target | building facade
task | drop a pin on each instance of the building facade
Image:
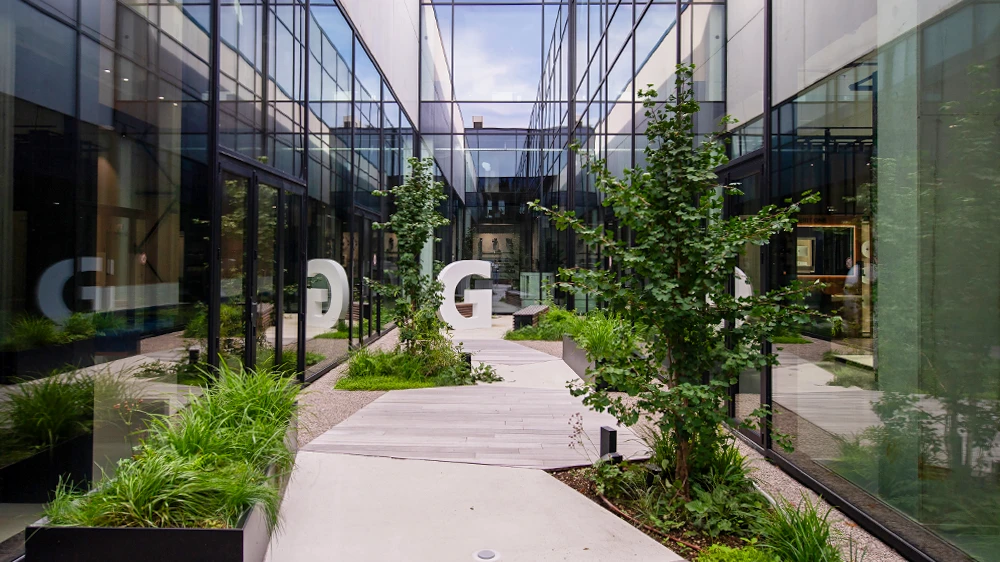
(172, 173)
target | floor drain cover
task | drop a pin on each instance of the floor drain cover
(487, 555)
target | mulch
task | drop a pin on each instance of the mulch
(687, 543)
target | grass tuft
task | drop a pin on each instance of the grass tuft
(203, 467)
(800, 533)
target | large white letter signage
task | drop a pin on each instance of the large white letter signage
(336, 277)
(481, 299)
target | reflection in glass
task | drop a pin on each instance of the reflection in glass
(233, 288)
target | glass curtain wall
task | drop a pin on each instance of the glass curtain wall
(890, 115)
(105, 190)
(106, 198)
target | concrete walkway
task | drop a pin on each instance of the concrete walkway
(373, 488)
(364, 509)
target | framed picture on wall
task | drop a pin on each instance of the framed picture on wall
(805, 253)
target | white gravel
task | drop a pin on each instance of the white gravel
(322, 406)
(780, 485)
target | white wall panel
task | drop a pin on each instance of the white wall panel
(390, 30)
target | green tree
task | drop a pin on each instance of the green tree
(674, 287)
(418, 296)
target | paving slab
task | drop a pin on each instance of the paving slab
(363, 509)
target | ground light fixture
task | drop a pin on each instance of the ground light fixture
(486, 554)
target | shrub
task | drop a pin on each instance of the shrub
(721, 553)
(551, 326)
(78, 326)
(604, 335)
(160, 489)
(441, 365)
(800, 533)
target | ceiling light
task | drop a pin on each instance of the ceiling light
(108, 70)
(125, 79)
(161, 97)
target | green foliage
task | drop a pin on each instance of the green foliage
(376, 382)
(721, 553)
(848, 376)
(605, 336)
(230, 322)
(418, 296)
(202, 468)
(79, 326)
(159, 489)
(442, 365)
(724, 500)
(551, 326)
(29, 332)
(684, 251)
(793, 339)
(43, 413)
(800, 533)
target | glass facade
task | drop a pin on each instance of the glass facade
(176, 177)
(169, 175)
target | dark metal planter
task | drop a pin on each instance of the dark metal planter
(30, 364)
(32, 480)
(120, 343)
(245, 543)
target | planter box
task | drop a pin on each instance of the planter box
(123, 343)
(29, 364)
(576, 357)
(247, 542)
(32, 480)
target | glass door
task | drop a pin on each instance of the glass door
(259, 308)
(234, 263)
(266, 318)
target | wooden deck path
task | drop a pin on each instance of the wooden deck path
(483, 424)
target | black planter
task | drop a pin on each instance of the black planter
(245, 543)
(29, 364)
(119, 343)
(33, 480)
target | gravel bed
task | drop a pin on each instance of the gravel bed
(323, 406)
(779, 485)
